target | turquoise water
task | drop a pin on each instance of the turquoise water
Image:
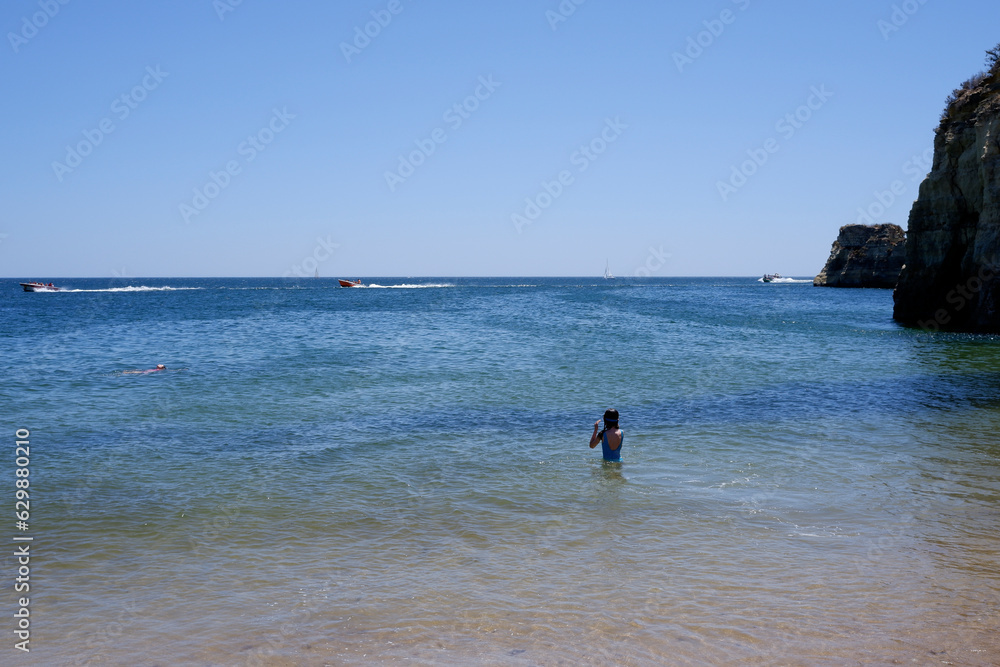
(401, 474)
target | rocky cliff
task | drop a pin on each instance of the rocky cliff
(952, 275)
(864, 256)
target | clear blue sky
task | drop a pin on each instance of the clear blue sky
(678, 129)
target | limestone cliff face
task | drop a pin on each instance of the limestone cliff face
(952, 275)
(864, 256)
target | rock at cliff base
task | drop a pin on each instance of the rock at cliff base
(950, 280)
(864, 256)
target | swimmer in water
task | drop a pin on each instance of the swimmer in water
(610, 438)
(159, 367)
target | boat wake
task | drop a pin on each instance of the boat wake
(784, 280)
(404, 286)
(138, 288)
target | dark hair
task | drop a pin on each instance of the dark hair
(610, 421)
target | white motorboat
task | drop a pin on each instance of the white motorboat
(39, 287)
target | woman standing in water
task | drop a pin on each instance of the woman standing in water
(610, 438)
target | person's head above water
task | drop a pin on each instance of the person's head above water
(611, 418)
(161, 367)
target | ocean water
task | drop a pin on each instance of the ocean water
(400, 475)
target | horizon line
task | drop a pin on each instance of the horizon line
(400, 277)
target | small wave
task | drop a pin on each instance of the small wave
(821, 533)
(406, 286)
(138, 288)
(139, 371)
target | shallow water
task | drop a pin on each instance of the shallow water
(347, 476)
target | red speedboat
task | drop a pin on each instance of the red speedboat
(348, 283)
(39, 287)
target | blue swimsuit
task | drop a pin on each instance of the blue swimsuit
(612, 454)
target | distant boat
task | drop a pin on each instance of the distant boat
(316, 275)
(39, 287)
(348, 283)
(607, 271)
(770, 277)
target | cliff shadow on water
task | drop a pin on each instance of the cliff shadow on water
(951, 279)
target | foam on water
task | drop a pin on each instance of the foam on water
(136, 288)
(406, 286)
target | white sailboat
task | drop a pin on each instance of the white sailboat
(607, 271)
